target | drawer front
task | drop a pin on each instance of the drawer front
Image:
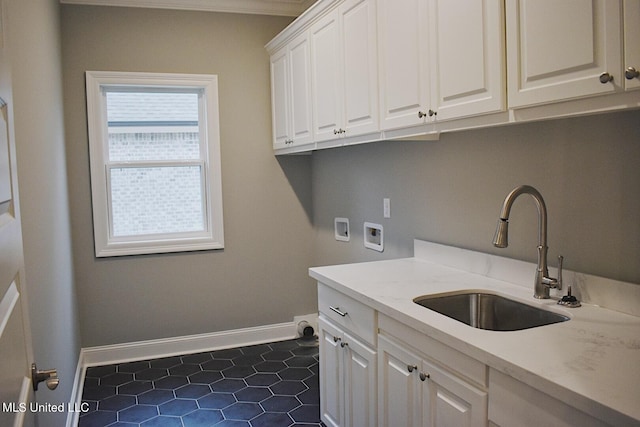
(347, 312)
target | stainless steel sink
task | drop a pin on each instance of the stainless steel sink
(489, 311)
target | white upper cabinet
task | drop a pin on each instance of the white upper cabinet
(291, 94)
(632, 44)
(404, 68)
(560, 50)
(440, 60)
(467, 57)
(344, 71)
(355, 71)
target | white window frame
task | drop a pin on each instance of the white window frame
(107, 245)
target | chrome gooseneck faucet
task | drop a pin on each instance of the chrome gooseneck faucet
(542, 282)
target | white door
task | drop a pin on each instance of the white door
(449, 401)
(280, 98)
(399, 395)
(468, 65)
(15, 338)
(403, 54)
(360, 383)
(300, 101)
(326, 77)
(548, 60)
(360, 66)
(331, 375)
(632, 44)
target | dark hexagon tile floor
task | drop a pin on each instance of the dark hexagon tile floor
(266, 385)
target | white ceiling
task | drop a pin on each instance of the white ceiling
(260, 7)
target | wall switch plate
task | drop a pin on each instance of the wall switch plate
(341, 227)
(386, 207)
(373, 236)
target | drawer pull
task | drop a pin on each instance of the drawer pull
(337, 310)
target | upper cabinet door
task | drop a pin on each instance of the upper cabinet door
(559, 50)
(632, 44)
(280, 98)
(360, 66)
(326, 77)
(291, 94)
(344, 71)
(403, 56)
(467, 57)
(300, 100)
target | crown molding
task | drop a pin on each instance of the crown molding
(256, 7)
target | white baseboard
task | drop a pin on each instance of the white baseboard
(166, 347)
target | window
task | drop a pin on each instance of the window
(155, 162)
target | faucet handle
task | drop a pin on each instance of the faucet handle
(560, 261)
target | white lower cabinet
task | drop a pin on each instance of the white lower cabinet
(514, 403)
(378, 371)
(347, 378)
(416, 392)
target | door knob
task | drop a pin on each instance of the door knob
(49, 376)
(606, 78)
(631, 73)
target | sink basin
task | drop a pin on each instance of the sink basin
(489, 311)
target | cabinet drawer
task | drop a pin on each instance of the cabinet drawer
(347, 312)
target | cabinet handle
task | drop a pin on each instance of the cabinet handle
(631, 73)
(424, 376)
(421, 114)
(606, 78)
(432, 113)
(337, 310)
(411, 368)
(336, 339)
(344, 344)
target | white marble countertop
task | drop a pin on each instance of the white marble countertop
(591, 362)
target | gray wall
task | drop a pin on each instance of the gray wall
(33, 34)
(451, 192)
(261, 276)
(279, 211)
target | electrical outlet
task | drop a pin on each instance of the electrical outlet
(386, 207)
